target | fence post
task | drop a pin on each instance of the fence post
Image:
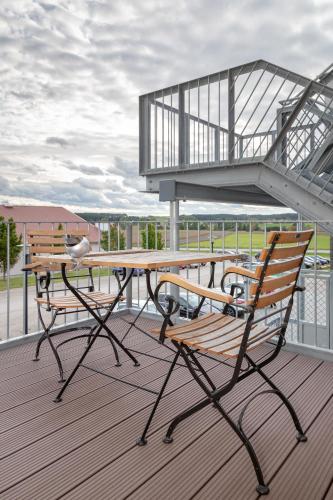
(174, 240)
(8, 278)
(26, 259)
(129, 289)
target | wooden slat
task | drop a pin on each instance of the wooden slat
(58, 232)
(71, 302)
(194, 323)
(231, 348)
(51, 267)
(242, 271)
(203, 291)
(211, 329)
(48, 249)
(218, 337)
(280, 267)
(271, 284)
(283, 252)
(272, 298)
(289, 236)
(37, 240)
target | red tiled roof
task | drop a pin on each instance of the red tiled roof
(45, 217)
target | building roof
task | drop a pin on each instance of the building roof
(45, 217)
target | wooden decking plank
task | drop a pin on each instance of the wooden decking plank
(13, 357)
(148, 459)
(44, 451)
(273, 440)
(100, 359)
(90, 453)
(62, 415)
(113, 424)
(86, 382)
(216, 438)
(45, 368)
(315, 460)
(329, 494)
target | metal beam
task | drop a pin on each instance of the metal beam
(171, 190)
(243, 69)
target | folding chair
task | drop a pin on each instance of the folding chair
(274, 280)
(57, 301)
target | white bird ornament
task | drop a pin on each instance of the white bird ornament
(77, 247)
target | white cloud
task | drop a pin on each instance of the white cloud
(71, 72)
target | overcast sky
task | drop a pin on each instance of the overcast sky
(71, 72)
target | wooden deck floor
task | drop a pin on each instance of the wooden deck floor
(84, 447)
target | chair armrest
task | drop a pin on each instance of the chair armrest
(242, 271)
(33, 265)
(203, 291)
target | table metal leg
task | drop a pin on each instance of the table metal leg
(101, 326)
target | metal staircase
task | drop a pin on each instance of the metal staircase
(257, 133)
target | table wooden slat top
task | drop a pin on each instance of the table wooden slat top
(139, 259)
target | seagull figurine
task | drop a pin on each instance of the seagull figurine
(77, 247)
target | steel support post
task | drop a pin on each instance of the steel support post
(181, 127)
(231, 117)
(144, 135)
(174, 240)
(330, 298)
(129, 244)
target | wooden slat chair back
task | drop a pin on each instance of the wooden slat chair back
(273, 281)
(50, 241)
(279, 267)
(58, 300)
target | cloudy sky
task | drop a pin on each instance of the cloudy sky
(71, 72)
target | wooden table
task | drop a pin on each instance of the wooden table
(131, 260)
(141, 259)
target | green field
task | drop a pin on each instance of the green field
(17, 281)
(243, 241)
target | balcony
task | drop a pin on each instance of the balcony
(85, 446)
(256, 133)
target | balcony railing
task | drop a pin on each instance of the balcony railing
(252, 113)
(312, 319)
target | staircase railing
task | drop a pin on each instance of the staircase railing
(224, 118)
(303, 147)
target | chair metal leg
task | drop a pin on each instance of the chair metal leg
(200, 367)
(142, 440)
(56, 355)
(262, 487)
(301, 437)
(47, 336)
(193, 409)
(38, 346)
(182, 416)
(87, 349)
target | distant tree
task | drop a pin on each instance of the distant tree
(113, 239)
(154, 238)
(14, 242)
(59, 228)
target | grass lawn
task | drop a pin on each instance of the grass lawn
(17, 281)
(230, 241)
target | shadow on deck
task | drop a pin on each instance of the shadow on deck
(85, 448)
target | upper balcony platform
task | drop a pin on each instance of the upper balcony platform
(267, 122)
(85, 447)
